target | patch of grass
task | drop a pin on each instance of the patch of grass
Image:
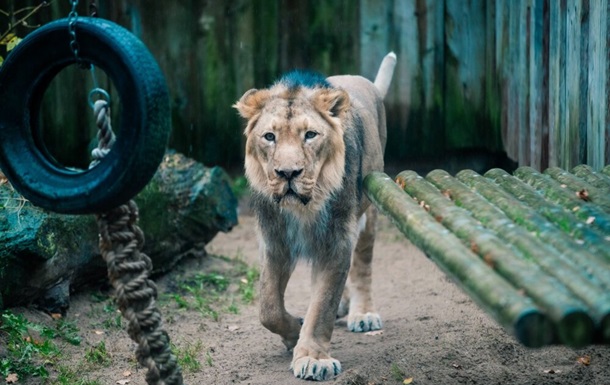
(104, 313)
(187, 356)
(67, 376)
(98, 355)
(214, 293)
(30, 347)
(208, 359)
(397, 373)
(113, 323)
(247, 285)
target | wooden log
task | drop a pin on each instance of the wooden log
(592, 238)
(594, 266)
(581, 188)
(589, 175)
(44, 256)
(512, 310)
(553, 191)
(520, 270)
(579, 330)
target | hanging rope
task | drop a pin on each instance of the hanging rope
(121, 240)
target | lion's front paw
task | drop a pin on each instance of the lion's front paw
(308, 368)
(364, 322)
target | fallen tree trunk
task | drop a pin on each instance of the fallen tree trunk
(597, 179)
(574, 326)
(44, 256)
(572, 248)
(553, 191)
(551, 294)
(580, 188)
(592, 237)
(505, 303)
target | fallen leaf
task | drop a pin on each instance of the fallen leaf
(98, 332)
(374, 333)
(474, 247)
(56, 316)
(585, 360)
(12, 378)
(447, 194)
(457, 366)
(563, 185)
(583, 194)
(126, 373)
(400, 182)
(233, 328)
(590, 220)
(489, 260)
(123, 382)
(408, 380)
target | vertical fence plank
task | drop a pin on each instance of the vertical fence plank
(596, 79)
(606, 99)
(523, 82)
(404, 91)
(536, 85)
(464, 73)
(570, 135)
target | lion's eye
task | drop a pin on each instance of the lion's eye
(269, 136)
(310, 134)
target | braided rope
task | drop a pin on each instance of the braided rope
(121, 240)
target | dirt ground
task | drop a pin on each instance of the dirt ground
(433, 333)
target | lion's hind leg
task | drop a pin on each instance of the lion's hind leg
(357, 299)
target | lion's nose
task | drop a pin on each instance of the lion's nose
(288, 173)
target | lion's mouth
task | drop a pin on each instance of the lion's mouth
(290, 194)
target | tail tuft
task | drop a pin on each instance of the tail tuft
(384, 75)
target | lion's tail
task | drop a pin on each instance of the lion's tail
(384, 75)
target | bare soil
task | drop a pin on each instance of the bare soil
(433, 333)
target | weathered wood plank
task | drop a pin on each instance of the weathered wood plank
(596, 81)
(556, 79)
(570, 140)
(537, 87)
(464, 74)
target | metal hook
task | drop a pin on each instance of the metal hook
(100, 91)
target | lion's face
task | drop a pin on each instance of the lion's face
(294, 149)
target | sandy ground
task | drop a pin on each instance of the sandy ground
(433, 333)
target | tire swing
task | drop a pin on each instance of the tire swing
(122, 166)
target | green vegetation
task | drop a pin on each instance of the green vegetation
(30, 347)
(98, 354)
(397, 373)
(67, 376)
(213, 293)
(187, 356)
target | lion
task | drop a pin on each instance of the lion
(310, 141)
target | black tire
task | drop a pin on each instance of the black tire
(144, 118)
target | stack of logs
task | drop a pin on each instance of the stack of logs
(532, 249)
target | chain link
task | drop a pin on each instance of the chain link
(72, 17)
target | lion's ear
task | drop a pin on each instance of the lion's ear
(252, 102)
(335, 102)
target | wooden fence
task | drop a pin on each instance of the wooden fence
(525, 77)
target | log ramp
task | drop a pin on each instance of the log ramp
(532, 249)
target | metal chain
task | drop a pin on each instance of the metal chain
(72, 17)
